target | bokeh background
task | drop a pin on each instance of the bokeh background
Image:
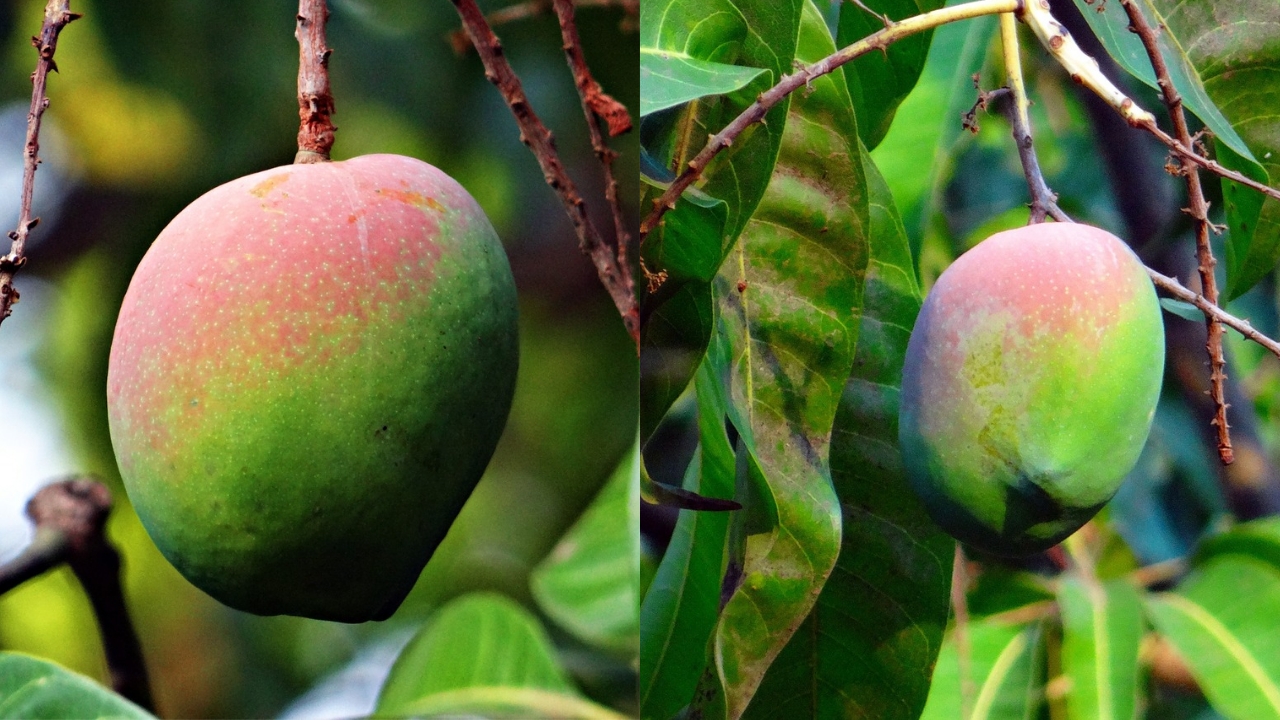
(156, 103)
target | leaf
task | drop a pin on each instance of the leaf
(1259, 539)
(694, 238)
(788, 301)
(1102, 629)
(589, 584)
(673, 339)
(1225, 623)
(1002, 678)
(669, 78)
(1182, 309)
(1221, 61)
(477, 640)
(679, 612)
(32, 689)
(868, 647)
(878, 82)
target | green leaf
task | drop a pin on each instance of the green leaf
(867, 649)
(33, 689)
(1182, 309)
(1222, 63)
(669, 78)
(788, 300)
(679, 612)
(1101, 630)
(1001, 675)
(589, 584)
(479, 640)
(1225, 622)
(673, 339)
(878, 82)
(1259, 539)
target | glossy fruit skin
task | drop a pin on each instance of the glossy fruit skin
(309, 374)
(1030, 383)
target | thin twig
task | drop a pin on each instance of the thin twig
(315, 102)
(1181, 292)
(57, 15)
(533, 8)
(805, 76)
(596, 104)
(960, 606)
(614, 275)
(1189, 154)
(1199, 212)
(70, 518)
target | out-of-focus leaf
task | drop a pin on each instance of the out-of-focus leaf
(1101, 631)
(788, 299)
(589, 583)
(1001, 677)
(1225, 623)
(868, 646)
(33, 689)
(669, 78)
(679, 610)
(1000, 589)
(480, 640)
(750, 33)
(879, 81)
(1258, 539)
(1222, 61)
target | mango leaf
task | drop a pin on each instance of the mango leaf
(1259, 539)
(1222, 62)
(32, 689)
(673, 339)
(759, 34)
(1001, 675)
(788, 300)
(669, 78)
(878, 82)
(479, 652)
(1225, 622)
(867, 649)
(1101, 630)
(589, 584)
(679, 611)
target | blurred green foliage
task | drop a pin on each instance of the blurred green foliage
(164, 100)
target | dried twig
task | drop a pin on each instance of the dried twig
(57, 15)
(803, 77)
(1189, 154)
(70, 518)
(611, 266)
(1199, 212)
(315, 102)
(533, 8)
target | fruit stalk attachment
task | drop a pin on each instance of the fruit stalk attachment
(315, 102)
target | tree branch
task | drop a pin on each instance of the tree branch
(57, 15)
(70, 518)
(315, 102)
(534, 8)
(1199, 212)
(614, 275)
(756, 111)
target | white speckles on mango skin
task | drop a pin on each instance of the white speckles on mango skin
(1030, 382)
(316, 361)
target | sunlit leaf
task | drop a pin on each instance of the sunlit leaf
(33, 689)
(1225, 623)
(1101, 631)
(868, 647)
(669, 78)
(589, 583)
(788, 300)
(994, 672)
(878, 82)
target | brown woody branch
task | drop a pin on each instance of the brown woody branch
(70, 517)
(1199, 212)
(611, 265)
(315, 101)
(533, 8)
(57, 15)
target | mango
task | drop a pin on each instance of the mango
(1029, 386)
(310, 371)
